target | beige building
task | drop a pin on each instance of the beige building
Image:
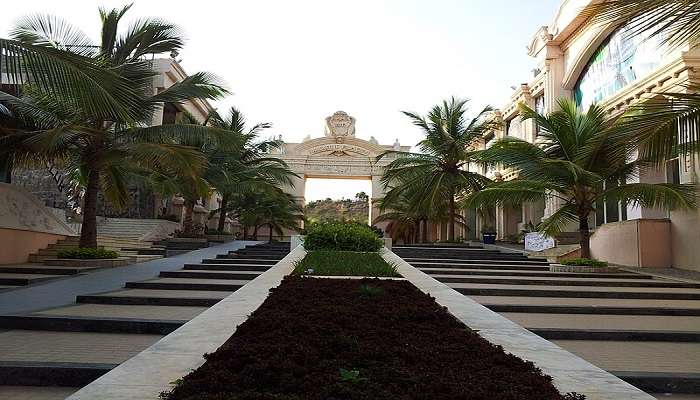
(603, 65)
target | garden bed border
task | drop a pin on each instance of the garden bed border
(570, 372)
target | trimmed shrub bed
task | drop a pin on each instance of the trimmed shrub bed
(585, 262)
(342, 237)
(88, 253)
(347, 263)
(369, 339)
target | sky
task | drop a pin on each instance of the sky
(293, 63)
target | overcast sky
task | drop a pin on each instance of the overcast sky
(295, 62)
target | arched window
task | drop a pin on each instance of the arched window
(623, 58)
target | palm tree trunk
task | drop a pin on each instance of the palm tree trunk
(245, 231)
(585, 239)
(451, 224)
(255, 233)
(270, 225)
(423, 230)
(222, 213)
(187, 224)
(88, 231)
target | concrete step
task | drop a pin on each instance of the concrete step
(20, 279)
(449, 261)
(239, 275)
(598, 310)
(247, 261)
(227, 267)
(564, 281)
(655, 323)
(536, 273)
(124, 311)
(188, 284)
(249, 256)
(36, 392)
(479, 289)
(616, 335)
(38, 322)
(41, 269)
(33, 373)
(155, 297)
(685, 386)
(75, 349)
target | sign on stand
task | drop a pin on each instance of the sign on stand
(536, 241)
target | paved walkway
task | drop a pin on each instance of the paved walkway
(61, 292)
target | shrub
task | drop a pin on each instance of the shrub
(345, 263)
(585, 262)
(88, 253)
(342, 237)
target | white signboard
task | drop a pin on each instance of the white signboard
(535, 241)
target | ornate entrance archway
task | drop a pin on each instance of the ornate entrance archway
(338, 154)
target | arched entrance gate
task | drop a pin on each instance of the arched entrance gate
(338, 155)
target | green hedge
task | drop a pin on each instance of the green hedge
(342, 237)
(585, 262)
(88, 253)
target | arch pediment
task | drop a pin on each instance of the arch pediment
(339, 147)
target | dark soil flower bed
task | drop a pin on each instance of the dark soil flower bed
(330, 339)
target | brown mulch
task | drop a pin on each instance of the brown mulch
(394, 344)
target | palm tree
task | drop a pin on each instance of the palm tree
(664, 125)
(674, 21)
(103, 133)
(581, 159)
(440, 174)
(248, 166)
(404, 219)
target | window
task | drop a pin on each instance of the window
(620, 60)
(170, 113)
(673, 174)
(609, 211)
(539, 108)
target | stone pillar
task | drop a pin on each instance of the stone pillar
(376, 195)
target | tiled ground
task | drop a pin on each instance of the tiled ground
(585, 321)
(638, 356)
(77, 347)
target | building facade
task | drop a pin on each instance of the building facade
(608, 66)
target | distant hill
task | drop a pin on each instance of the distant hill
(356, 209)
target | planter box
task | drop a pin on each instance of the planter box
(87, 263)
(580, 268)
(489, 238)
(155, 369)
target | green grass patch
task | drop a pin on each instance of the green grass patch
(344, 263)
(585, 262)
(88, 253)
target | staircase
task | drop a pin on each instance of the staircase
(71, 346)
(643, 329)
